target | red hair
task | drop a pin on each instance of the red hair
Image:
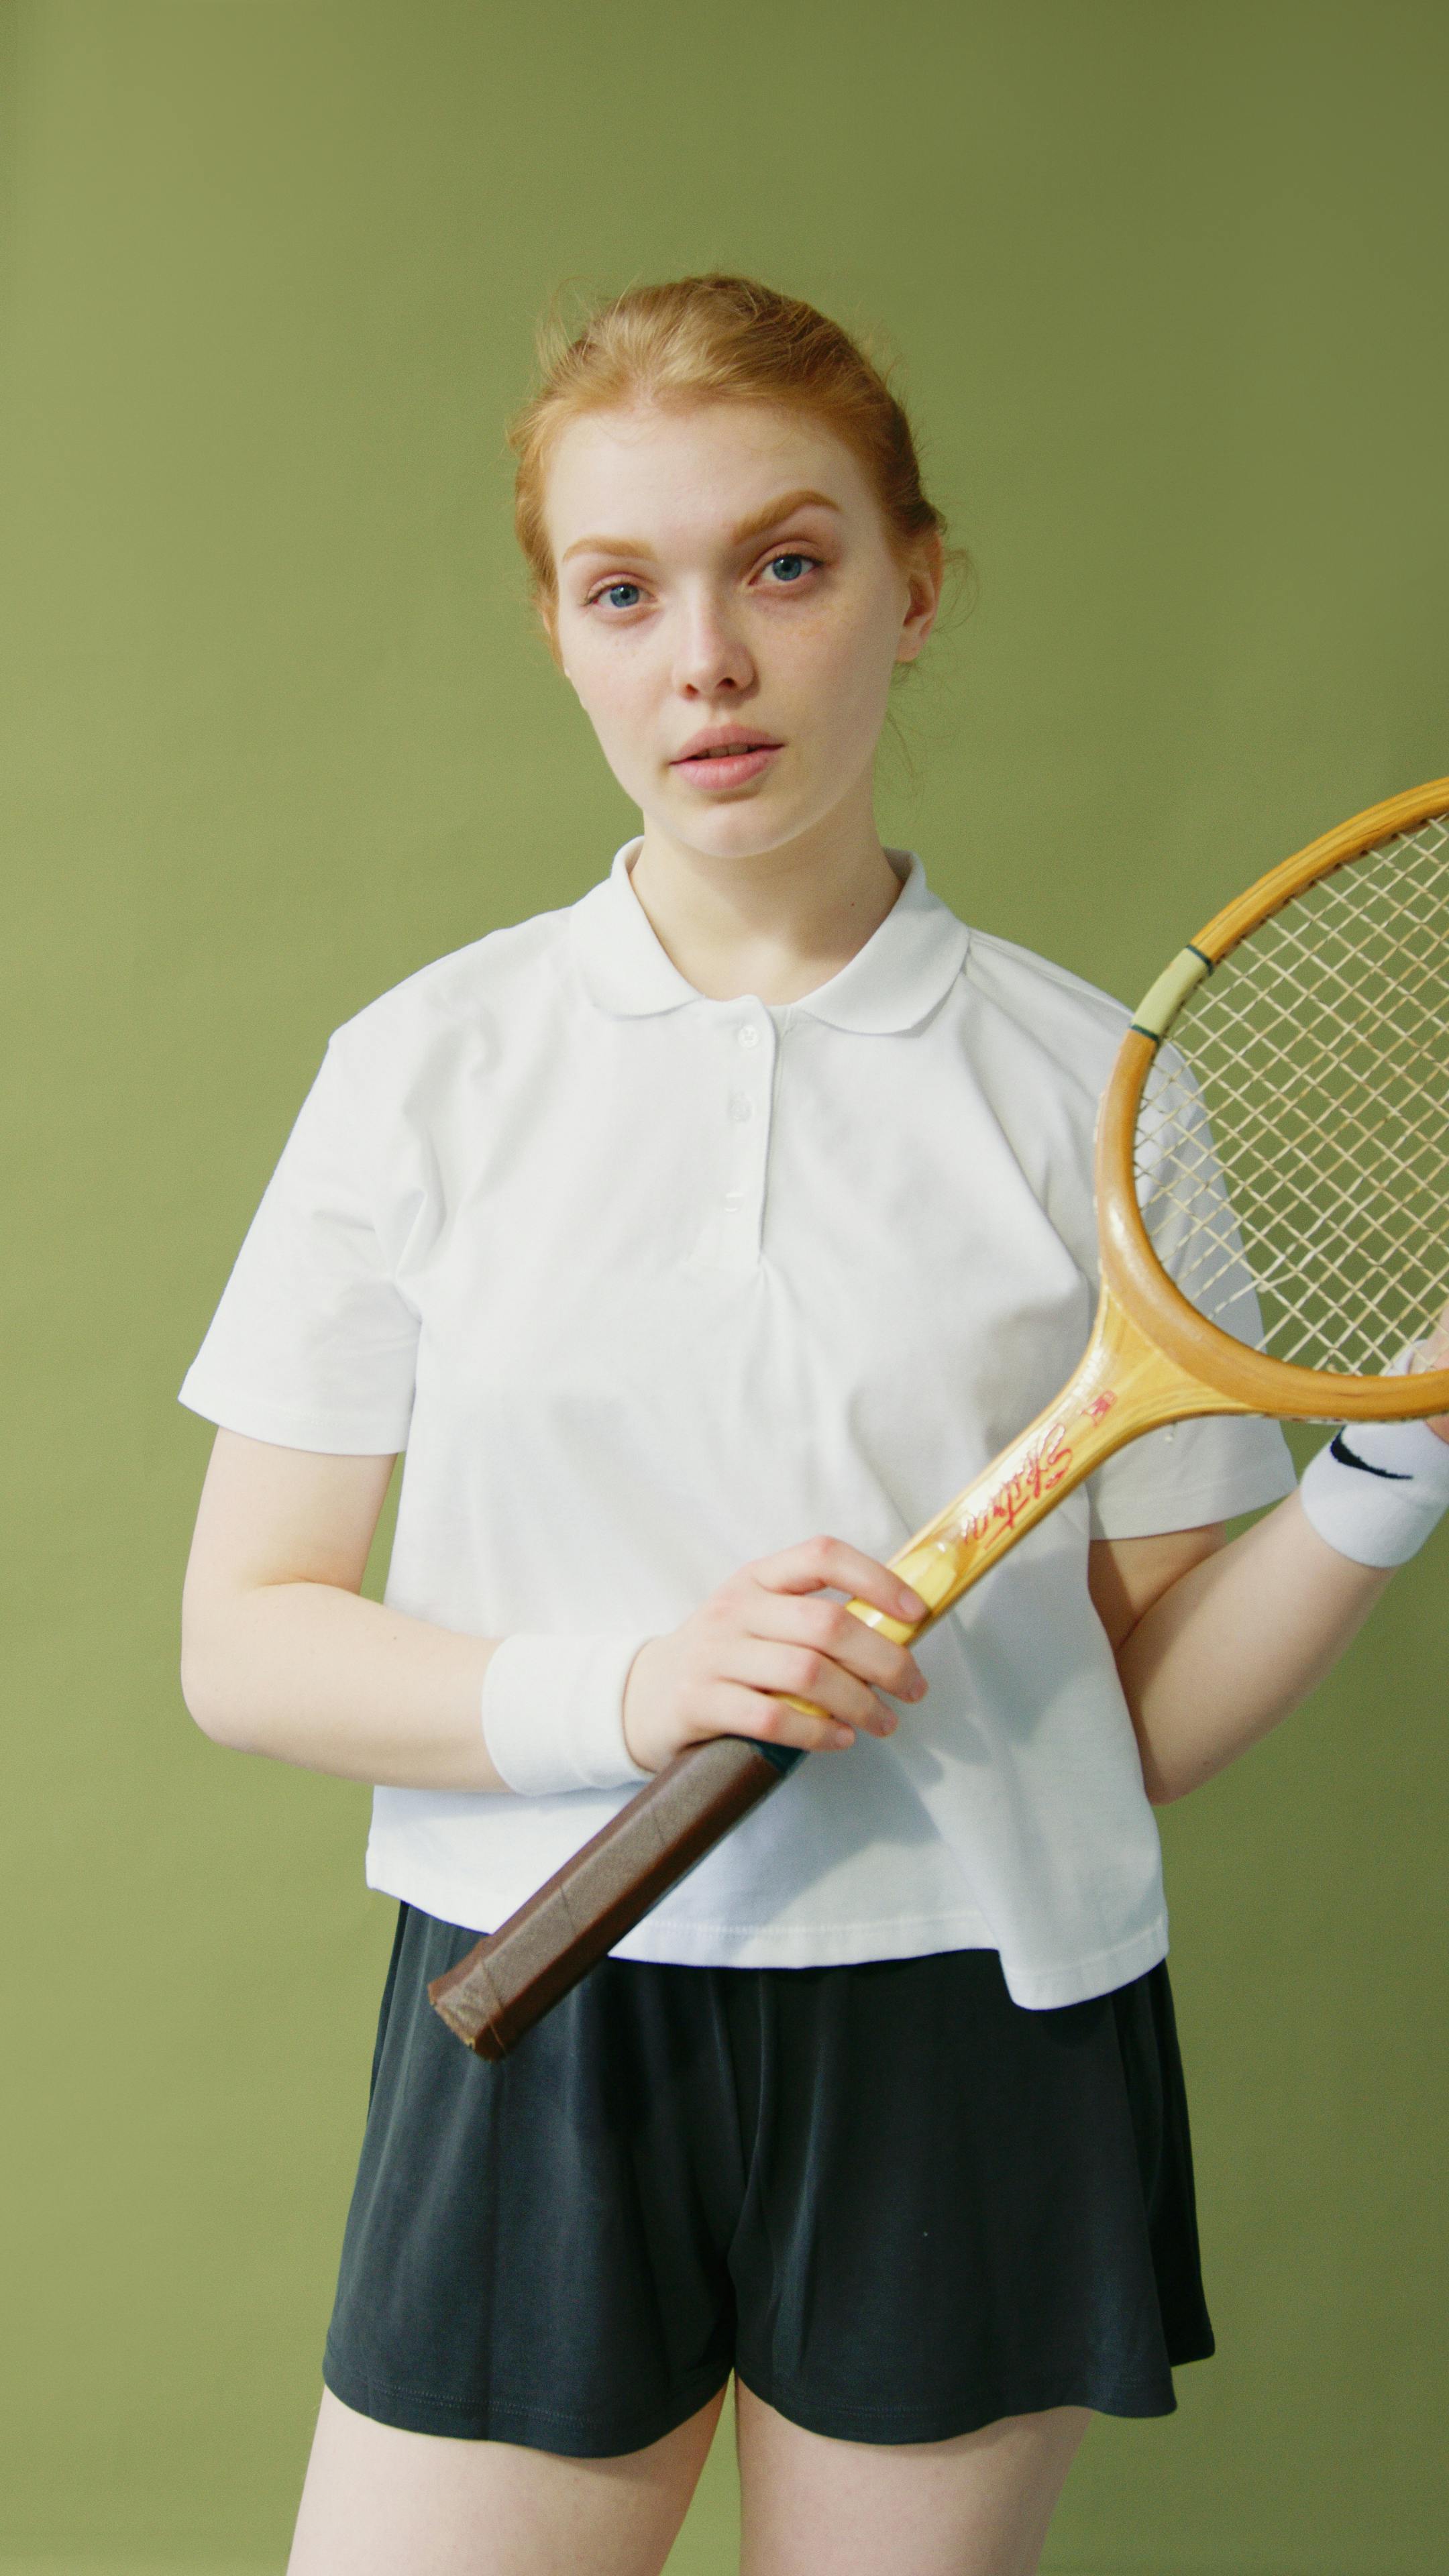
(712, 339)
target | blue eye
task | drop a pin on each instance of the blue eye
(614, 587)
(789, 559)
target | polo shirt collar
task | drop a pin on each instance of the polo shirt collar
(906, 967)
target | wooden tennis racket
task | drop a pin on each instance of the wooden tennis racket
(1288, 1154)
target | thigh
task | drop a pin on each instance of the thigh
(978, 2505)
(379, 2501)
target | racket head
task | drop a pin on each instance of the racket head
(1277, 1125)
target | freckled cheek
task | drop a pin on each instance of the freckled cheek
(629, 740)
(621, 702)
(840, 679)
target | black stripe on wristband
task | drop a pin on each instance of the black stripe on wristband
(1338, 1448)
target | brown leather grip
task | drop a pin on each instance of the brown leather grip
(513, 1975)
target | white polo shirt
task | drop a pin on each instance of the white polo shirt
(648, 1285)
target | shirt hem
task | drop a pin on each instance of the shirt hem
(1100, 1972)
(727, 1945)
(806, 1945)
(711, 1945)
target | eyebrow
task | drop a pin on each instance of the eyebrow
(755, 526)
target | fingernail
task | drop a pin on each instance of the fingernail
(911, 1602)
(845, 1735)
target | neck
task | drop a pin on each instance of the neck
(776, 923)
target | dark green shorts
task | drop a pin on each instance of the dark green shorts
(897, 2203)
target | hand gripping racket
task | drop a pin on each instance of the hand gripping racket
(1288, 1154)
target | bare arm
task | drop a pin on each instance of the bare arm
(1215, 1644)
(281, 1655)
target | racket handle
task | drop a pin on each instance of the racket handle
(512, 1976)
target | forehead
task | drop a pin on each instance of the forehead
(676, 475)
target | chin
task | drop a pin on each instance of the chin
(742, 826)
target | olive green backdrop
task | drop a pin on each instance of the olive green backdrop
(1168, 284)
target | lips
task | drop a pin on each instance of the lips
(720, 744)
(719, 769)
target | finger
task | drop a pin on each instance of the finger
(732, 1709)
(838, 1631)
(833, 1561)
(802, 1671)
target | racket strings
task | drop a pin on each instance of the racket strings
(1292, 1145)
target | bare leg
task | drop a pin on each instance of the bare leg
(380, 2502)
(976, 2506)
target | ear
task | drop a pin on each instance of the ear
(924, 577)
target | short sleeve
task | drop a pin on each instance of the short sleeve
(1223, 1464)
(312, 1345)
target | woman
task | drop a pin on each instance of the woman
(745, 1199)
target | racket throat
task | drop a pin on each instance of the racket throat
(1122, 1387)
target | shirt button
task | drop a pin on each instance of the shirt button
(734, 1198)
(739, 1108)
(749, 1035)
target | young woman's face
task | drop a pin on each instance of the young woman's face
(723, 573)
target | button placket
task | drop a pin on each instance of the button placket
(747, 1112)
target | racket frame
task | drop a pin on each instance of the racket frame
(1256, 1382)
(1152, 1359)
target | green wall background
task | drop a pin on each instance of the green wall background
(1170, 286)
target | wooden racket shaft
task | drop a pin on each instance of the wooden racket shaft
(494, 1995)
(1323, 1052)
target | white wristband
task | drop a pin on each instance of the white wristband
(1377, 1490)
(553, 1712)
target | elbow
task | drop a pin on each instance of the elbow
(207, 1701)
(1163, 1793)
(208, 1712)
(1159, 1792)
(1162, 1787)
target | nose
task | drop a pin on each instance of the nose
(712, 654)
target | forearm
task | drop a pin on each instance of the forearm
(313, 1674)
(1236, 1643)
